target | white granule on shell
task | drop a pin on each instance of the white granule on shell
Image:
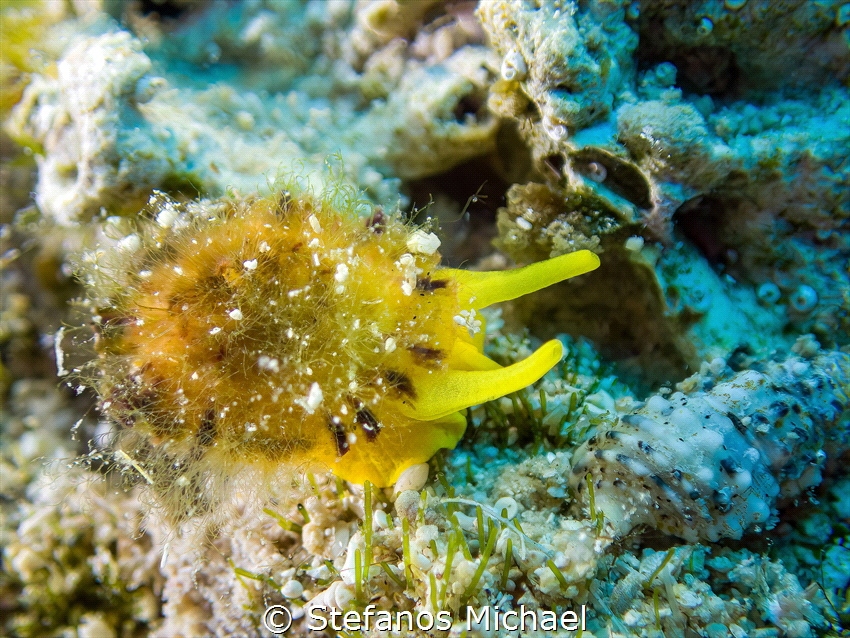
(407, 265)
(130, 243)
(314, 224)
(423, 243)
(167, 216)
(313, 399)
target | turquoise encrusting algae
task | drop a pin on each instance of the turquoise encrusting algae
(286, 333)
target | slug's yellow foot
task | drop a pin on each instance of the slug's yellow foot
(265, 335)
(427, 414)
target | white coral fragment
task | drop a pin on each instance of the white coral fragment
(513, 66)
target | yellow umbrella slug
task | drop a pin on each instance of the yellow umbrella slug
(284, 333)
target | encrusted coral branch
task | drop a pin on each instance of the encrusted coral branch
(715, 463)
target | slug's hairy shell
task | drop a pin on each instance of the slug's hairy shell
(266, 335)
(715, 463)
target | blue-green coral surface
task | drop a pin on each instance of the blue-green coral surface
(682, 472)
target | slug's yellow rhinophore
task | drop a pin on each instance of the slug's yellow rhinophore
(272, 334)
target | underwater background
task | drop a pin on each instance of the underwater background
(681, 472)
